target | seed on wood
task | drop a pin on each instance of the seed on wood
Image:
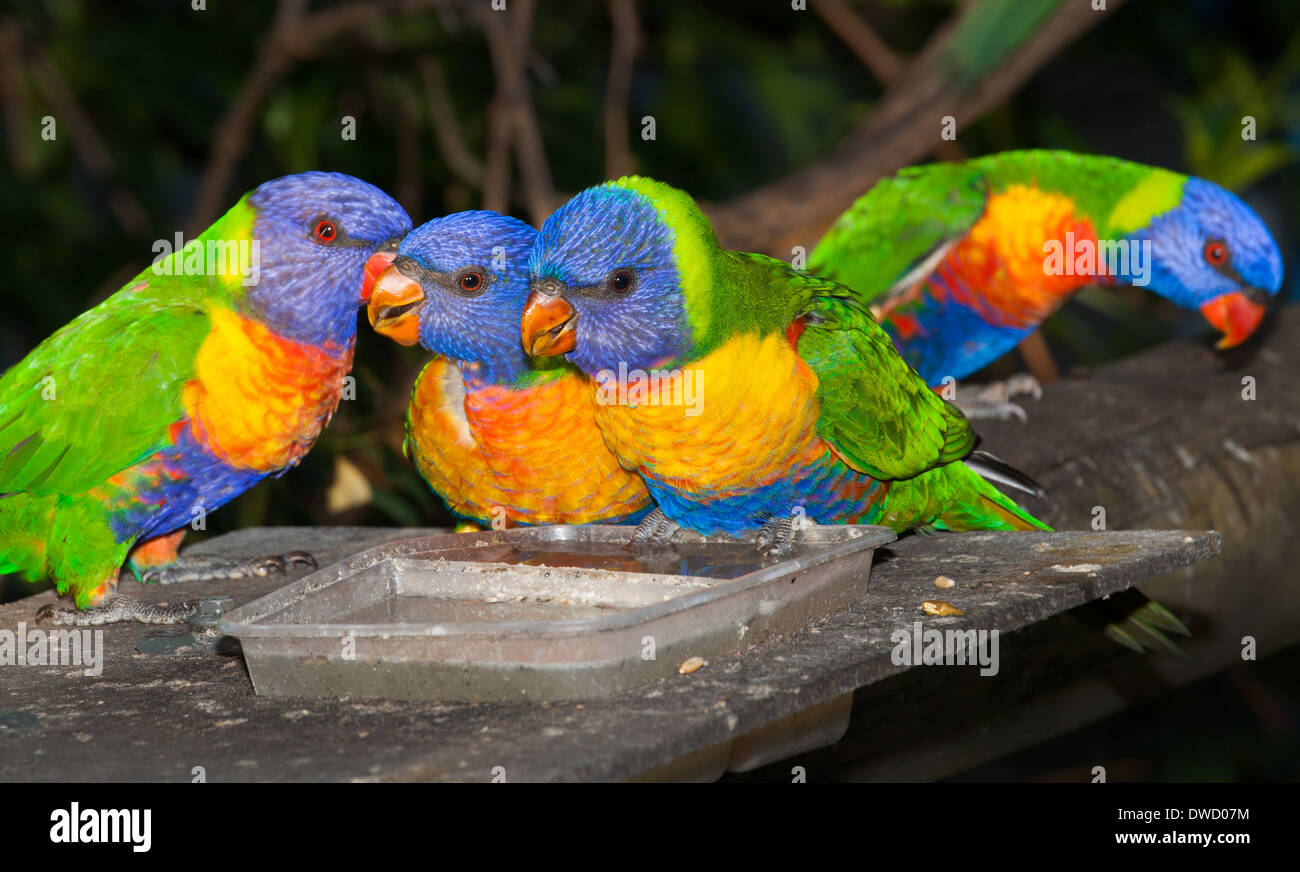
(939, 607)
(691, 665)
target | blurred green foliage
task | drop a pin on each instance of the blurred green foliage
(1212, 119)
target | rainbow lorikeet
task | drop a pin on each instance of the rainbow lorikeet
(502, 439)
(746, 392)
(208, 372)
(964, 260)
(743, 390)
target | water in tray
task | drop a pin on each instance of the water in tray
(723, 560)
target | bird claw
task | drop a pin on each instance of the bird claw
(980, 411)
(205, 567)
(993, 401)
(116, 608)
(1022, 385)
(655, 531)
(777, 537)
(279, 563)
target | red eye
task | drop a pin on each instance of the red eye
(325, 231)
(1216, 253)
(471, 282)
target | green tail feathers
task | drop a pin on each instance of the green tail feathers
(987, 469)
(1007, 512)
(1131, 619)
(954, 497)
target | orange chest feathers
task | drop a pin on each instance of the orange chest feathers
(525, 456)
(1004, 268)
(740, 417)
(258, 400)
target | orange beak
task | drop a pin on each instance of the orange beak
(375, 266)
(547, 326)
(394, 307)
(1235, 316)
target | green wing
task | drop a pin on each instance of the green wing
(100, 394)
(877, 413)
(880, 416)
(896, 233)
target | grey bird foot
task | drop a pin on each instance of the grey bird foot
(204, 567)
(993, 401)
(777, 537)
(116, 608)
(656, 530)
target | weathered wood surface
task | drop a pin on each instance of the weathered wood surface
(159, 716)
(1164, 439)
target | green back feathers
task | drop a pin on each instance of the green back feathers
(109, 381)
(899, 224)
(879, 415)
(1116, 195)
(222, 251)
(892, 232)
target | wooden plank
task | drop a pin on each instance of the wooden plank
(157, 717)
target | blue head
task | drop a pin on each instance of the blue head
(607, 279)
(457, 287)
(315, 232)
(1213, 253)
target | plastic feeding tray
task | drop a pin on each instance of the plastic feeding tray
(539, 613)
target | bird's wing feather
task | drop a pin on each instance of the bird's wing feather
(875, 411)
(877, 414)
(895, 234)
(99, 395)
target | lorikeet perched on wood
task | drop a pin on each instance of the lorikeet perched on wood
(501, 439)
(964, 260)
(208, 372)
(802, 399)
(743, 390)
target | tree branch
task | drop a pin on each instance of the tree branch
(294, 36)
(627, 37)
(507, 35)
(797, 209)
(862, 40)
(446, 129)
(87, 143)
